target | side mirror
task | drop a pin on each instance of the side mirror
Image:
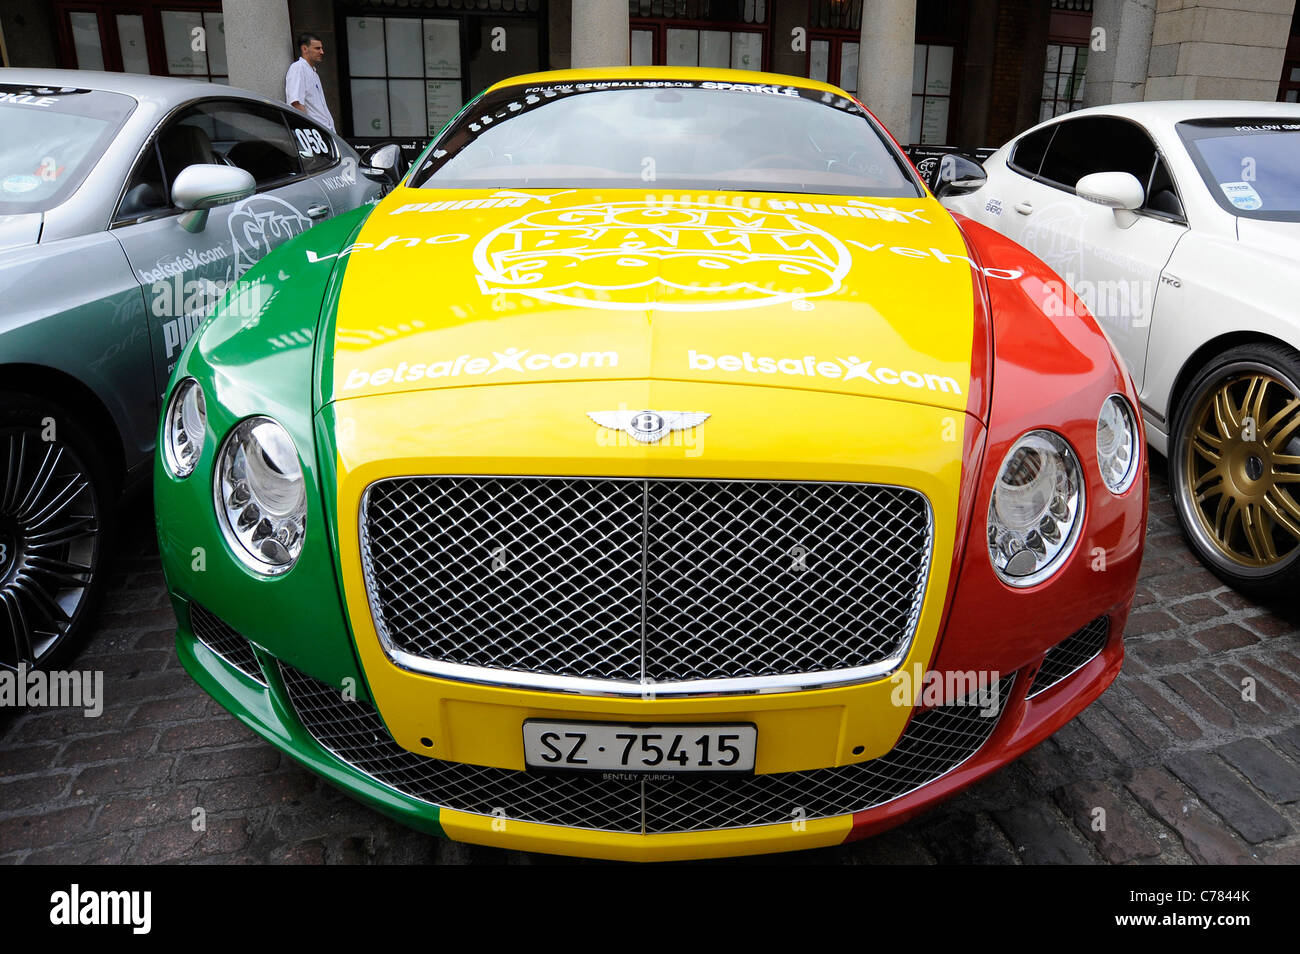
(958, 176)
(205, 186)
(1120, 191)
(384, 164)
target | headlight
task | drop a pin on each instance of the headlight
(260, 496)
(1036, 510)
(1117, 444)
(185, 428)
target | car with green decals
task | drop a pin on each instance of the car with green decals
(127, 205)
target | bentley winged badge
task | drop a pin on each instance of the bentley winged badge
(648, 427)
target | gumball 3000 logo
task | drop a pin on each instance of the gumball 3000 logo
(629, 256)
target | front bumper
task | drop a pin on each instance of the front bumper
(943, 749)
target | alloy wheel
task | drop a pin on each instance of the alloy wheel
(1241, 469)
(49, 544)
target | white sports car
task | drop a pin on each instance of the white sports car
(1178, 225)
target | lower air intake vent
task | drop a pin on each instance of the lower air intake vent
(212, 632)
(1069, 656)
(935, 742)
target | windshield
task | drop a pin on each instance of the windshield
(50, 139)
(667, 134)
(1251, 166)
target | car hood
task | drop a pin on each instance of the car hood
(20, 230)
(452, 289)
(1274, 238)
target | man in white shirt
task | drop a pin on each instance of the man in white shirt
(302, 89)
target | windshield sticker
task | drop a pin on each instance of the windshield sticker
(1242, 195)
(501, 199)
(20, 183)
(26, 99)
(856, 208)
(509, 102)
(1267, 127)
(615, 256)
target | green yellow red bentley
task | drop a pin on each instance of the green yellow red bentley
(658, 472)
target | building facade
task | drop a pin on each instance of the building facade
(980, 70)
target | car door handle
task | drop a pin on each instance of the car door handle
(318, 211)
(1024, 208)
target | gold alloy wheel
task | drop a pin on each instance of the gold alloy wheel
(1241, 468)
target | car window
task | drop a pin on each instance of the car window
(1027, 154)
(248, 135)
(1161, 194)
(315, 146)
(254, 137)
(1097, 144)
(1248, 165)
(50, 138)
(146, 193)
(678, 134)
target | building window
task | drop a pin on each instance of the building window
(713, 49)
(408, 76)
(1063, 79)
(642, 51)
(835, 14)
(86, 43)
(405, 74)
(931, 93)
(715, 34)
(1290, 89)
(145, 37)
(194, 43)
(834, 60)
(735, 11)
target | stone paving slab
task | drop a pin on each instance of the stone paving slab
(1193, 756)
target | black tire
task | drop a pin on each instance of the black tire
(55, 523)
(1234, 467)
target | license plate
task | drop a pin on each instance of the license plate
(605, 747)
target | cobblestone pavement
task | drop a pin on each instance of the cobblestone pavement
(1186, 770)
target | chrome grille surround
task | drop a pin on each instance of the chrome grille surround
(602, 585)
(1070, 655)
(935, 742)
(218, 636)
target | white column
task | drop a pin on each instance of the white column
(600, 33)
(1202, 49)
(1117, 58)
(885, 62)
(259, 44)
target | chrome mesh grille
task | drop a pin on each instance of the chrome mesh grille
(645, 580)
(214, 633)
(1069, 656)
(935, 742)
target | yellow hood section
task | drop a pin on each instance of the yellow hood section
(459, 288)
